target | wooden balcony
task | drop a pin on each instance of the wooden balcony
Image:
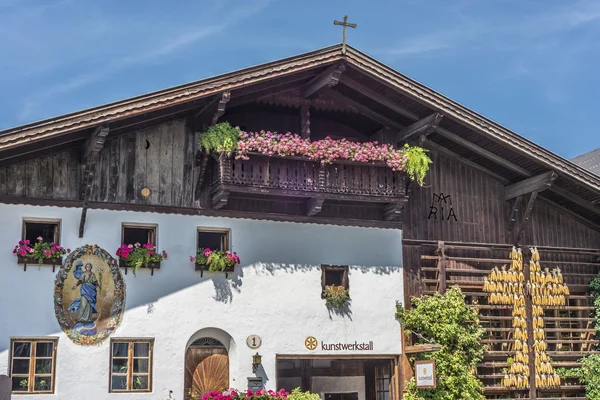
(299, 177)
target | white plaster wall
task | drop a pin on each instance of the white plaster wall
(339, 384)
(275, 294)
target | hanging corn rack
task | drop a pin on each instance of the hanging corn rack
(547, 289)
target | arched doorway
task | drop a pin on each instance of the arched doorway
(206, 367)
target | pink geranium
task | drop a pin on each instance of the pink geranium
(40, 251)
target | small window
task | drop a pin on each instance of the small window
(32, 365)
(138, 233)
(382, 379)
(48, 230)
(131, 365)
(334, 275)
(214, 239)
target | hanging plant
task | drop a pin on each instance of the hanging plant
(41, 252)
(215, 260)
(223, 138)
(336, 296)
(136, 256)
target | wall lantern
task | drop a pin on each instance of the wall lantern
(256, 359)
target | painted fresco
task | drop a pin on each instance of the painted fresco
(89, 295)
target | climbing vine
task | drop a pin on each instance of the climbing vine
(446, 320)
(589, 372)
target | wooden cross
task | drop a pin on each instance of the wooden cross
(344, 24)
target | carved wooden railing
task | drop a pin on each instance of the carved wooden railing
(300, 177)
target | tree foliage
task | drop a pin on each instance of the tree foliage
(446, 320)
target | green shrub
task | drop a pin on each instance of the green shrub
(219, 138)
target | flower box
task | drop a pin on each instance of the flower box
(53, 261)
(204, 267)
(151, 266)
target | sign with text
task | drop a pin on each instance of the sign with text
(311, 343)
(425, 374)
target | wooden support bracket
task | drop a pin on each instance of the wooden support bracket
(525, 217)
(214, 109)
(513, 213)
(91, 154)
(201, 173)
(327, 79)
(393, 211)
(219, 198)
(421, 128)
(535, 183)
(314, 206)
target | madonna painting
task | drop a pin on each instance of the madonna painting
(89, 295)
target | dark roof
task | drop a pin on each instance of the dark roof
(589, 161)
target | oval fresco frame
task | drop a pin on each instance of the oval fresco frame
(118, 305)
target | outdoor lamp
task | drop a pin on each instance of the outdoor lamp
(256, 362)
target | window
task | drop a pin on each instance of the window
(214, 239)
(382, 382)
(334, 275)
(48, 230)
(32, 364)
(138, 233)
(131, 365)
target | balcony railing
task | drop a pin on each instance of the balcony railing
(300, 177)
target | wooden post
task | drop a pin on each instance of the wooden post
(441, 268)
(529, 314)
(306, 379)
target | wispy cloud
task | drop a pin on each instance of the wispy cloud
(176, 39)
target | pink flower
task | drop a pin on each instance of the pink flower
(68, 250)
(193, 259)
(40, 239)
(207, 252)
(22, 252)
(130, 246)
(30, 250)
(137, 244)
(164, 254)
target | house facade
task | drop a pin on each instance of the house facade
(133, 172)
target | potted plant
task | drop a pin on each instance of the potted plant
(215, 260)
(136, 256)
(41, 253)
(336, 296)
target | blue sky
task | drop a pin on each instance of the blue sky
(530, 65)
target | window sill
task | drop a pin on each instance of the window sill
(151, 266)
(204, 267)
(52, 261)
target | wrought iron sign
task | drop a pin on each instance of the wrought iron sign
(441, 208)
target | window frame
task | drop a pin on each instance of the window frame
(138, 225)
(378, 378)
(31, 375)
(49, 221)
(225, 231)
(334, 268)
(130, 358)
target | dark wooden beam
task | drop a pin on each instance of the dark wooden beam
(204, 158)
(219, 198)
(421, 128)
(422, 348)
(94, 144)
(514, 212)
(366, 111)
(483, 152)
(305, 121)
(451, 154)
(327, 79)
(377, 97)
(90, 157)
(314, 206)
(525, 217)
(535, 183)
(393, 211)
(575, 199)
(214, 109)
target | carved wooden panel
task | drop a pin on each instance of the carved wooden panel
(206, 370)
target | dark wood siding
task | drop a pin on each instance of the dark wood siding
(53, 176)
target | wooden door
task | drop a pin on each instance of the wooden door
(206, 370)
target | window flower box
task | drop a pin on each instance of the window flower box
(41, 253)
(137, 256)
(215, 261)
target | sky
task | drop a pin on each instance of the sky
(529, 65)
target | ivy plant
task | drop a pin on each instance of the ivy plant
(417, 163)
(446, 320)
(219, 138)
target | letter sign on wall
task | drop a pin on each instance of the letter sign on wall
(425, 374)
